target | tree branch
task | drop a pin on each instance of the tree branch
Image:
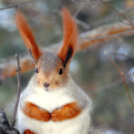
(90, 1)
(18, 92)
(123, 79)
(3, 117)
(103, 34)
(120, 14)
(17, 5)
(5, 127)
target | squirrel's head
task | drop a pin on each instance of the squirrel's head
(51, 68)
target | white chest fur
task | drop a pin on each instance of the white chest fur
(50, 100)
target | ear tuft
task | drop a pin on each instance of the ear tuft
(27, 35)
(70, 37)
(68, 56)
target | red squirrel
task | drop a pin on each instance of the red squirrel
(52, 103)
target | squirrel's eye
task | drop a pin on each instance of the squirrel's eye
(36, 70)
(60, 71)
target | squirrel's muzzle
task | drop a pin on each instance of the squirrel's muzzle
(46, 84)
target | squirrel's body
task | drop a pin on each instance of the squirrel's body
(51, 100)
(53, 103)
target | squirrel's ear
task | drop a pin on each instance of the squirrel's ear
(70, 37)
(27, 35)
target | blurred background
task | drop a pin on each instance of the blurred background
(90, 68)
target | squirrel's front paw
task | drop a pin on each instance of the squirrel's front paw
(56, 115)
(68, 111)
(46, 116)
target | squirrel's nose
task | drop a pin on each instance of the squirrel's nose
(46, 84)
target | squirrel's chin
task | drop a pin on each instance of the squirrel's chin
(46, 89)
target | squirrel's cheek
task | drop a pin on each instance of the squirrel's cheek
(40, 84)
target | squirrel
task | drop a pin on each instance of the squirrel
(52, 103)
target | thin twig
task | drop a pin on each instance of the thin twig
(122, 15)
(18, 92)
(110, 18)
(90, 1)
(78, 11)
(123, 55)
(123, 78)
(82, 24)
(17, 5)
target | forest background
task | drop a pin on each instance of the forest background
(101, 28)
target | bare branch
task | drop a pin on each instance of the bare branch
(18, 92)
(103, 34)
(4, 125)
(123, 78)
(82, 24)
(123, 55)
(122, 15)
(110, 18)
(78, 11)
(88, 1)
(111, 36)
(17, 5)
